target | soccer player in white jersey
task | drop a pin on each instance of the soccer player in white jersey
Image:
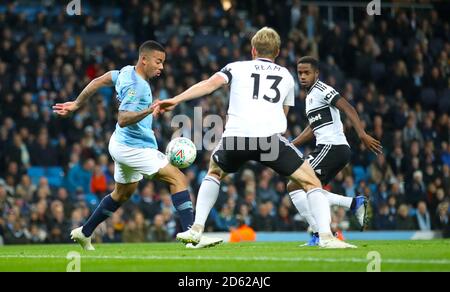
(260, 95)
(133, 145)
(333, 152)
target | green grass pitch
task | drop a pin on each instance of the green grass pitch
(431, 255)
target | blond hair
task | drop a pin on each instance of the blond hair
(266, 42)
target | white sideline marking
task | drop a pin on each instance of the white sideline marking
(227, 258)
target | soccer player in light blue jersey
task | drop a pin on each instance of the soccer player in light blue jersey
(133, 145)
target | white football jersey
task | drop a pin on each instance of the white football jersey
(258, 91)
(324, 118)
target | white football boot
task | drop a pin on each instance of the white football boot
(205, 242)
(334, 243)
(360, 211)
(189, 236)
(78, 236)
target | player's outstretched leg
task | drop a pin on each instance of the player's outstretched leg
(300, 201)
(181, 198)
(319, 205)
(207, 197)
(359, 209)
(108, 205)
(357, 205)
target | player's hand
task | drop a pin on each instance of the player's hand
(165, 105)
(65, 109)
(155, 109)
(372, 144)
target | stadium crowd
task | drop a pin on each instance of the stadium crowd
(394, 68)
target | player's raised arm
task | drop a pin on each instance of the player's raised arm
(373, 144)
(106, 80)
(195, 91)
(126, 118)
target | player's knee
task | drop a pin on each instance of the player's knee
(302, 204)
(311, 182)
(315, 181)
(312, 185)
(214, 174)
(179, 180)
(121, 195)
(291, 186)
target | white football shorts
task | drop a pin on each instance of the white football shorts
(133, 164)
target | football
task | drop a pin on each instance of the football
(181, 152)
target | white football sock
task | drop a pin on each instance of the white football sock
(320, 209)
(300, 201)
(207, 197)
(338, 200)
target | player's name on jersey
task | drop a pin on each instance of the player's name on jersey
(265, 67)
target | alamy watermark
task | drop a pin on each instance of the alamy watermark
(74, 7)
(74, 264)
(206, 132)
(374, 7)
(374, 259)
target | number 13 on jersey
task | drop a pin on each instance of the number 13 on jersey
(276, 81)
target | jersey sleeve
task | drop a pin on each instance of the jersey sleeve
(290, 98)
(226, 72)
(114, 75)
(130, 100)
(331, 96)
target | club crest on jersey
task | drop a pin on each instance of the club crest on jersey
(131, 93)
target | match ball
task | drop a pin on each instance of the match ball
(181, 152)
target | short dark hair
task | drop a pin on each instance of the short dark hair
(149, 46)
(309, 60)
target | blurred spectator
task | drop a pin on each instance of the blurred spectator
(158, 231)
(169, 221)
(384, 220)
(263, 221)
(98, 181)
(349, 186)
(225, 220)
(37, 235)
(6, 201)
(42, 153)
(111, 236)
(442, 216)
(25, 189)
(136, 230)
(339, 220)
(58, 226)
(403, 220)
(148, 204)
(15, 233)
(81, 176)
(423, 218)
(380, 170)
(250, 201)
(244, 215)
(265, 192)
(416, 191)
(284, 222)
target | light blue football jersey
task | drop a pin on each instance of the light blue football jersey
(134, 94)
